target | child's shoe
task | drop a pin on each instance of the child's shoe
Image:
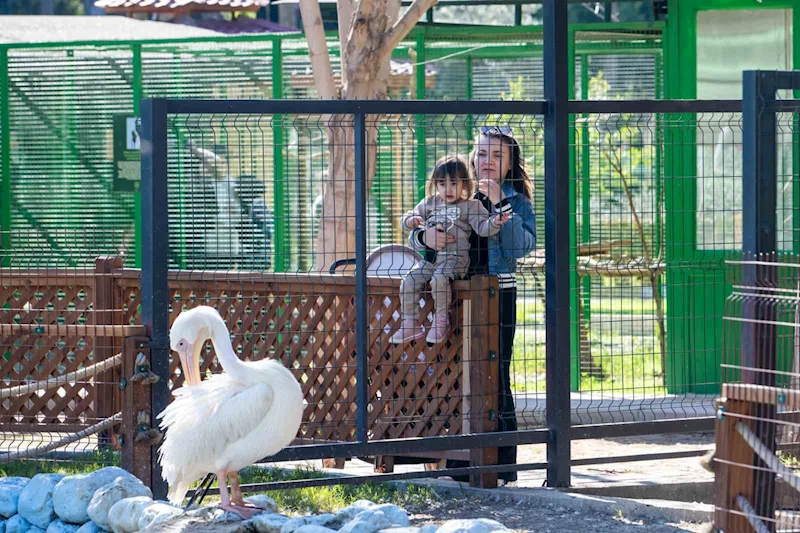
(409, 330)
(440, 328)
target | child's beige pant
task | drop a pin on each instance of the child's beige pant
(446, 268)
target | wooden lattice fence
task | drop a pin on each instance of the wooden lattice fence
(56, 322)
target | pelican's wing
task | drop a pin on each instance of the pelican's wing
(214, 413)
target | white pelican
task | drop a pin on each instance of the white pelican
(229, 421)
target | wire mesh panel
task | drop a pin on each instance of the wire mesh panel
(757, 441)
(63, 201)
(61, 335)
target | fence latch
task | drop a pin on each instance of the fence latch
(142, 371)
(144, 432)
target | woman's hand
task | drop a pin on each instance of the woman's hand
(437, 238)
(492, 189)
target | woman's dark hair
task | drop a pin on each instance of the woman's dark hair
(447, 167)
(516, 175)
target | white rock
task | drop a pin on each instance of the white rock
(400, 530)
(90, 527)
(17, 524)
(35, 529)
(313, 528)
(294, 523)
(105, 497)
(396, 516)
(10, 489)
(73, 494)
(157, 513)
(267, 523)
(349, 513)
(480, 525)
(36, 500)
(124, 515)
(263, 501)
(429, 528)
(368, 521)
(2, 526)
(59, 526)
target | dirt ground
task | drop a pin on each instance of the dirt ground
(546, 518)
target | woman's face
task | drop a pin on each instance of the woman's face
(492, 158)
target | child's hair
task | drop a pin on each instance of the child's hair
(447, 167)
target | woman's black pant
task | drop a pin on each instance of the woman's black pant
(507, 419)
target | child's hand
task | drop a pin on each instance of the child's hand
(501, 219)
(414, 222)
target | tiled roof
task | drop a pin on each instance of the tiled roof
(183, 5)
(41, 28)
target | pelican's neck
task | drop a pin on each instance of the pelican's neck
(227, 357)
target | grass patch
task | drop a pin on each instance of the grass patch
(303, 500)
(87, 463)
(631, 362)
(326, 499)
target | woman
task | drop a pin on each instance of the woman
(504, 187)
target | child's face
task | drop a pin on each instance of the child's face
(450, 189)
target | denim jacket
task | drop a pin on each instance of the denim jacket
(516, 240)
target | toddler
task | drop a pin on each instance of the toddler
(449, 205)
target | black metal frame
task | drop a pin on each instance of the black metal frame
(760, 236)
(556, 111)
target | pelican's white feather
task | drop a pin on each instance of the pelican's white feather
(226, 423)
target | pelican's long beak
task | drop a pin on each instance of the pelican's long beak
(190, 364)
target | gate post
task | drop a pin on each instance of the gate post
(484, 372)
(136, 408)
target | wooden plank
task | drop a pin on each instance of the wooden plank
(762, 394)
(484, 373)
(71, 330)
(736, 478)
(136, 456)
(106, 313)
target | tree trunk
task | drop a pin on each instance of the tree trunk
(365, 77)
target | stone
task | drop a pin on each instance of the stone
(2, 526)
(90, 527)
(396, 516)
(59, 526)
(400, 530)
(10, 489)
(314, 528)
(35, 529)
(368, 521)
(124, 516)
(429, 528)
(480, 525)
(263, 501)
(349, 513)
(267, 523)
(36, 500)
(105, 497)
(73, 494)
(17, 524)
(157, 513)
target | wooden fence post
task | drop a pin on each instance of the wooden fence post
(136, 411)
(484, 372)
(730, 480)
(105, 313)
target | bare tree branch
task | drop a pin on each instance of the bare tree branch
(404, 25)
(364, 9)
(318, 49)
(344, 15)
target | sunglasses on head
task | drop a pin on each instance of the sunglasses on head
(497, 130)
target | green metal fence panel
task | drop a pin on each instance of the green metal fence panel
(61, 105)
